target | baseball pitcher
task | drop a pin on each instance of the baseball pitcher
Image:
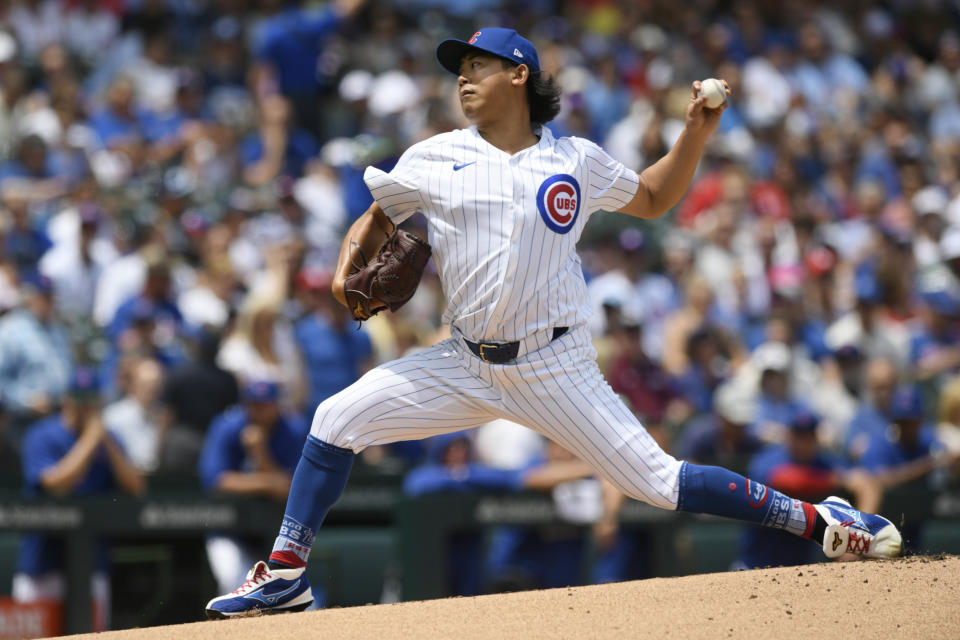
(505, 203)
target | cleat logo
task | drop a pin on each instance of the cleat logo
(836, 540)
(853, 517)
(271, 599)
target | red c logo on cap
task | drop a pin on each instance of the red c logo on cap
(473, 38)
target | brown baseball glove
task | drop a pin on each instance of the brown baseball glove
(391, 279)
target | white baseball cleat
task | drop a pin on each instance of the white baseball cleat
(265, 591)
(852, 531)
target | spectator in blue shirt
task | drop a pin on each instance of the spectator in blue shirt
(909, 438)
(119, 125)
(935, 344)
(278, 147)
(708, 353)
(69, 454)
(35, 357)
(148, 324)
(38, 172)
(543, 561)
(776, 407)
(450, 466)
(721, 438)
(23, 243)
(873, 414)
(288, 46)
(802, 469)
(605, 98)
(335, 353)
(157, 295)
(822, 74)
(250, 450)
(30, 161)
(907, 451)
(225, 56)
(172, 132)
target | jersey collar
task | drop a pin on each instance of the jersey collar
(545, 141)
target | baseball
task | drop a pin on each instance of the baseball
(715, 91)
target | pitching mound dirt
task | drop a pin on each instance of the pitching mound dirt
(908, 598)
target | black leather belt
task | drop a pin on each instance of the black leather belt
(503, 352)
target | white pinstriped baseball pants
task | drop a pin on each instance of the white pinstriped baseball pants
(557, 391)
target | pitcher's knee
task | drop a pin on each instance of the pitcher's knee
(655, 499)
(659, 488)
(333, 426)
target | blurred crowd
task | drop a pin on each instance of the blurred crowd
(176, 177)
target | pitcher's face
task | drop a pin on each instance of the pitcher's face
(484, 84)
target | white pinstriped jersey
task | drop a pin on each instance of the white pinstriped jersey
(504, 227)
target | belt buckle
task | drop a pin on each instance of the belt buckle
(482, 346)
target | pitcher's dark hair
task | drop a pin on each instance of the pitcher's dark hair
(543, 95)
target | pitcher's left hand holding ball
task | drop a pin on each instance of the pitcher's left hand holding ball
(700, 119)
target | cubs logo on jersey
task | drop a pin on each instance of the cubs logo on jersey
(483, 210)
(558, 201)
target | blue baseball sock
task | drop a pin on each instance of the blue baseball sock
(720, 492)
(317, 484)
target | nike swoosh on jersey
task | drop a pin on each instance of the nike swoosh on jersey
(457, 167)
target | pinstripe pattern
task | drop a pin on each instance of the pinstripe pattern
(557, 390)
(505, 274)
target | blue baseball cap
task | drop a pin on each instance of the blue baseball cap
(505, 43)
(804, 421)
(35, 282)
(261, 391)
(437, 445)
(866, 286)
(83, 382)
(906, 404)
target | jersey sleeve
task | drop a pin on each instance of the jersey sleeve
(610, 184)
(399, 192)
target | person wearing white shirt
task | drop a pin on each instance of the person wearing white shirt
(76, 263)
(135, 420)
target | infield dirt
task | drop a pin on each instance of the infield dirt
(916, 597)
